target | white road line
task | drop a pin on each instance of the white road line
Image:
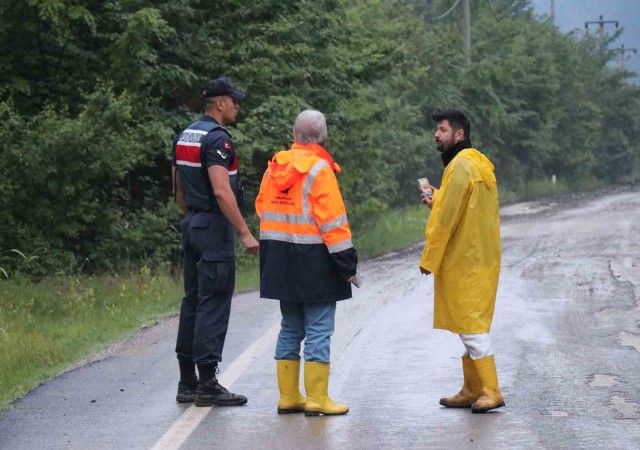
(191, 418)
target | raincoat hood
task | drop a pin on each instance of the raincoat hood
(482, 163)
(289, 166)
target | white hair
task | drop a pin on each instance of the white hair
(310, 127)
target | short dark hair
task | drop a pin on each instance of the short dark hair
(457, 120)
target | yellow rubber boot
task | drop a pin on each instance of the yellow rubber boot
(291, 400)
(316, 383)
(491, 397)
(471, 388)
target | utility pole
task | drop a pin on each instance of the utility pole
(552, 12)
(466, 7)
(600, 24)
(622, 51)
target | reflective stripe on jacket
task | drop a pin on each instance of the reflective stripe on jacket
(306, 251)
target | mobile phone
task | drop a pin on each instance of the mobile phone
(425, 188)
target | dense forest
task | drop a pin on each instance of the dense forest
(93, 91)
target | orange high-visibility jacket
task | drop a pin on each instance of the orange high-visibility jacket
(306, 253)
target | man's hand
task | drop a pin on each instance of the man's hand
(355, 279)
(219, 177)
(427, 201)
(424, 271)
(250, 244)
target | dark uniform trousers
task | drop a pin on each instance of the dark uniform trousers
(208, 243)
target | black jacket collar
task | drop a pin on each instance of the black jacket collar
(453, 151)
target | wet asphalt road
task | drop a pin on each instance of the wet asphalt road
(566, 335)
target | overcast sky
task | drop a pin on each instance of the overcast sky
(572, 14)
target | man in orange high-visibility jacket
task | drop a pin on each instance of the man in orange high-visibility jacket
(307, 261)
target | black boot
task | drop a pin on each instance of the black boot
(186, 390)
(188, 382)
(210, 393)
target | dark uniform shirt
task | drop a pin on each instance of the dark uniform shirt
(194, 151)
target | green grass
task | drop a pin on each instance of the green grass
(392, 230)
(47, 326)
(248, 275)
(532, 190)
(537, 189)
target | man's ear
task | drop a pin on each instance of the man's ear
(219, 103)
(459, 135)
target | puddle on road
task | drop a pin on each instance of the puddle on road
(628, 409)
(557, 414)
(630, 340)
(535, 333)
(603, 380)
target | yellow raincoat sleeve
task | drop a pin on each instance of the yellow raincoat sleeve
(450, 203)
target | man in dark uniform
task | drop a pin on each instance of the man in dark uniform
(205, 172)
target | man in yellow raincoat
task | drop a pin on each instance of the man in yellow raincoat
(462, 250)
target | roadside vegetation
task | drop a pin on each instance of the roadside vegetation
(48, 325)
(92, 93)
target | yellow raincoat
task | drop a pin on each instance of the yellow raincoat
(463, 245)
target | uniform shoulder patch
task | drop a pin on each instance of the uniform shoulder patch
(224, 152)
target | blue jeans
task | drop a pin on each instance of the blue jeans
(315, 321)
